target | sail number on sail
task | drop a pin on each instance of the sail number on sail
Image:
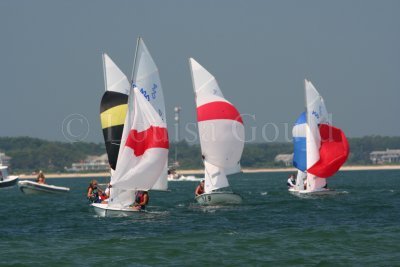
(147, 95)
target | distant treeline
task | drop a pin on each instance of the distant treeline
(258, 155)
(31, 154)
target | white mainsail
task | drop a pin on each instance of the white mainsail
(221, 129)
(143, 151)
(301, 176)
(214, 177)
(146, 78)
(316, 114)
(114, 79)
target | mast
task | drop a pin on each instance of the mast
(134, 59)
(305, 98)
(191, 74)
(177, 109)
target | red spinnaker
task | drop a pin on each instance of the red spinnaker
(333, 152)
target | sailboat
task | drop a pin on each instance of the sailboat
(5, 179)
(117, 120)
(221, 133)
(320, 149)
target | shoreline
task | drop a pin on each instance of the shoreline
(200, 171)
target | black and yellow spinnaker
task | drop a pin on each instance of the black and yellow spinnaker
(113, 108)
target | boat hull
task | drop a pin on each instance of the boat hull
(33, 188)
(103, 210)
(320, 192)
(219, 198)
(10, 181)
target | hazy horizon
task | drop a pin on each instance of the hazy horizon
(259, 51)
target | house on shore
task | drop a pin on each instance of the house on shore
(287, 159)
(385, 157)
(91, 163)
(4, 159)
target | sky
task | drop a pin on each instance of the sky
(259, 51)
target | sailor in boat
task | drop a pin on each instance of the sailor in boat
(141, 200)
(94, 192)
(199, 189)
(291, 182)
(106, 193)
(172, 174)
(40, 178)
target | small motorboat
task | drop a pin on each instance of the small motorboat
(173, 175)
(33, 188)
(5, 179)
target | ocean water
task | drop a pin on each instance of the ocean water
(271, 228)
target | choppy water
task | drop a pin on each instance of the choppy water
(272, 227)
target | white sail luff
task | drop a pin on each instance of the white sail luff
(300, 179)
(315, 108)
(134, 58)
(214, 177)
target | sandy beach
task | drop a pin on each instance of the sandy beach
(200, 171)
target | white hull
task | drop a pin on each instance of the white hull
(103, 210)
(319, 192)
(33, 188)
(9, 181)
(219, 198)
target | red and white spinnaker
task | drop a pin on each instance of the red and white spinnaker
(143, 152)
(221, 129)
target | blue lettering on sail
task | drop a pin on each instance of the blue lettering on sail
(315, 114)
(154, 91)
(145, 94)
